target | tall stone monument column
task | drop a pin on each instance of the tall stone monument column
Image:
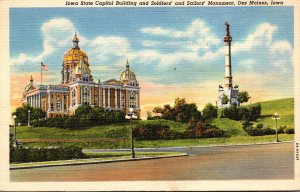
(227, 44)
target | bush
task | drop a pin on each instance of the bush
(290, 130)
(242, 113)
(21, 154)
(203, 130)
(152, 132)
(210, 111)
(85, 116)
(281, 129)
(259, 130)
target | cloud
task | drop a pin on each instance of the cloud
(267, 51)
(196, 30)
(55, 33)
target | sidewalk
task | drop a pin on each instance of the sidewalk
(84, 161)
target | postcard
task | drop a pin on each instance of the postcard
(149, 95)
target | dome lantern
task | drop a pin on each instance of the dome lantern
(75, 41)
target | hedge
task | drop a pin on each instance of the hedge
(21, 155)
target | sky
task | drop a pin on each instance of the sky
(174, 52)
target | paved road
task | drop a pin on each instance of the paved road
(274, 161)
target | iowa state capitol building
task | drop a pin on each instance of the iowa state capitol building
(78, 88)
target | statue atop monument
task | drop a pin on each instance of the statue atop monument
(227, 28)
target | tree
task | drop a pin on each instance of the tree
(243, 97)
(157, 110)
(181, 111)
(22, 114)
(210, 111)
(225, 99)
(37, 114)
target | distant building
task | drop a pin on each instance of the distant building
(78, 88)
(228, 92)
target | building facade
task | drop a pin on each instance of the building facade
(79, 88)
(228, 91)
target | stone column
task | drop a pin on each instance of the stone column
(116, 98)
(100, 96)
(139, 103)
(120, 91)
(54, 100)
(39, 101)
(49, 101)
(36, 100)
(104, 97)
(62, 103)
(108, 97)
(128, 98)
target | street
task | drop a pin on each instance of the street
(272, 161)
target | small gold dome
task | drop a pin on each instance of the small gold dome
(127, 74)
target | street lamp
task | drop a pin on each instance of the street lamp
(131, 116)
(15, 132)
(276, 117)
(29, 118)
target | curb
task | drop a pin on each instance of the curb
(95, 162)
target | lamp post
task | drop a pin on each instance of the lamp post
(131, 116)
(15, 132)
(276, 117)
(29, 118)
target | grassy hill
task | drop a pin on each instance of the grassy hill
(284, 108)
(117, 135)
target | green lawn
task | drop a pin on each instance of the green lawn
(169, 143)
(215, 141)
(233, 128)
(117, 135)
(284, 108)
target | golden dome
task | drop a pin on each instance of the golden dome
(75, 53)
(127, 74)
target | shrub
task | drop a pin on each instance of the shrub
(290, 130)
(21, 154)
(203, 130)
(210, 111)
(242, 113)
(84, 116)
(152, 132)
(281, 129)
(259, 130)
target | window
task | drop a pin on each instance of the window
(85, 95)
(58, 105)
(73, 97)
(85, 78)
(132, 95)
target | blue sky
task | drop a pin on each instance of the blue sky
(167, 47)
